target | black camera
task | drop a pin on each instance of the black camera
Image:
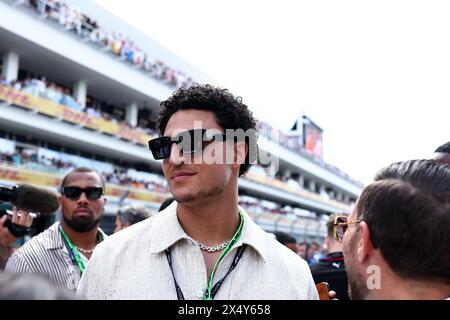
(28, 198)
(39, 224)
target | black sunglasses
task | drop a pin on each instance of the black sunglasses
(74, 193)
(190, 141)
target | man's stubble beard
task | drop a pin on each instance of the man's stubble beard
(82, 225)
(188, 198)
(357, 288)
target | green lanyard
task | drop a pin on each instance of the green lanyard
(208, 294)
(74, 254)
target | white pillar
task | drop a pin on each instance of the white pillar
(10, 66)
(301, 181)
(322, 189)
(80, 92)
(346, 198)
(312, 185)
(287, 175)
(131, 115)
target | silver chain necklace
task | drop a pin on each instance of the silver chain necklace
(219, 247)
(85, 251)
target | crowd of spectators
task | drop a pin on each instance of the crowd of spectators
(295, 145)
(72, 19)
(42, 88)
(33, 159)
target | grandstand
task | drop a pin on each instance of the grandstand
(81, 87)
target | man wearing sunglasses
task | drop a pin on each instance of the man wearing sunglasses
(61, 252)
(331, 268)
(396, 242)
(203, 245)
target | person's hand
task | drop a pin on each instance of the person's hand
(332, 295)
(6, 238)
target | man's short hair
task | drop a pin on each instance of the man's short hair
(229, 112)
(133, 213)
(443, 154)
(445, 148)
(166, 203)
(284, 238)
(316, 244)
(304, 243)
(407, 210)
(83, 169)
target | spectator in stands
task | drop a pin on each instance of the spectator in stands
(303, 248)
(131, 214)
(20, 217)
(61, 252)
(314, 254)
(287, 240)
(73, 19)
(17, 85)
(69, 101)
(40, 86)
(3, 81)
(443, 154)
(396, 242)
(331, 268)
(41, 7)
(204, 227)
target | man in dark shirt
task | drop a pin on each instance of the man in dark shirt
(331, 268)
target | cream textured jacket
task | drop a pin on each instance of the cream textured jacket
(132, 264)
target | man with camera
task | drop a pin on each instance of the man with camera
(61, 252)
(6, 237)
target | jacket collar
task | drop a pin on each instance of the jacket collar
(52, 238)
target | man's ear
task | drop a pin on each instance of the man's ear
(365, 246)
(240, 152)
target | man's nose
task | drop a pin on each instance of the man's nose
(83, 198)
(176, 155)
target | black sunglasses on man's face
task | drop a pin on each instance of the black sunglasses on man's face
(74, 193)
(190, 141)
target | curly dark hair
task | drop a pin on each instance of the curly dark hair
(229, 112)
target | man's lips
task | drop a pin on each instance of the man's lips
(83, 211)
(181, 175)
